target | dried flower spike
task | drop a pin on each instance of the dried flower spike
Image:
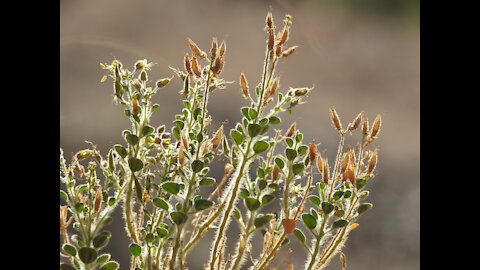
(187, 64)
(312, 151)
(213, 50)
(269, 20)
(326, 169)
(356, 123)
(135, 109)
(365, 128)
(217, 138)
(275, 173)
(372, 163)
(222, 48)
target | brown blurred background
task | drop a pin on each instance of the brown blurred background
(359, 55)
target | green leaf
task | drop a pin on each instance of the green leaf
(339, 223)
(110, 266)
(121, 150)
(314, 199)
(364, 207)
(298, 168)
(171, 187)
(252, 203)
(244, 193)
(101, 240)
(309, 221)
(267, 198)
(87, 255)
(299, 234)
(63, 195)
(176, 132)
(135, 249)
(260, 146)
(252, 113)
(146, 130)
(337, 195)
(274, 120)
(132, 139)
(202, 204)
(245, 112)
(197, 166)
(178, 217)
(158, 202)
(111, 201)
(69, 249)
(262, 184)
(262, 220)
(302, 149)
(79, 207)
(361, 183)
(290, 153)
(135, 164)
(138, 190)
(207, 181)
(196, 112)
(162, 232)
(327, 207)
(237, 136)
(347, 194)
(103, 258)
(64, 266)
(280, 163)
(254, 130)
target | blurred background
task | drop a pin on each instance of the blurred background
(359, 56)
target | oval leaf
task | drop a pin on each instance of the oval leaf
(260, 146)
(87, 255)
(309, 221)
(252, 204)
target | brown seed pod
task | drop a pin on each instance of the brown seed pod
(217, 138)
(291, 129)
(335, 119)
(271, 39)
(284, 36)
(187, 64)
(326, 169)
(223, 47)
(98, 199)
(312, 151)
(320, 163)
(376, 126)
(288, 225)
(349, 175)
(195, 67)
(228, 168)
(372, 163)
(269, 20)
(217, 68)
(365, 127)
(195, 49)
(275, 173)
(213, 50)
(289, 51)
(278, 50)
(181, 155)
(244, 86)
(184, 141)
(135, 109)
(356, 123)
(353, 226)
(345, 161)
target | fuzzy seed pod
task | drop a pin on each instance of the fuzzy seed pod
(195, 49)
(186, 86)
(372, 163)
(187, 64)
(274, 87)
(343, 261)
(181, 155)
(207, 147)
(223, 47)
(184, 141)
(345, 161)
(275, 173)
(326, 169)
(289, 51)
(284, 36)
(135, 109)
(291, 129)
(217, 138)
(320, 163)
(356, 123)
(278, 50)
(213, 50)
(217, 68)
(365, 128)
(288, 225)
(335, 119)
(271, 39)
(349, 175)
(244, 86)
(269, 20)
(376, 126)
(312, 151)
(195, 67)
(98, 199)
